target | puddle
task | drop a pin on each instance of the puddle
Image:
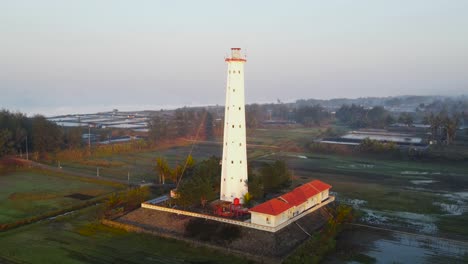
(356, 166)
(414, 172)
(418, 182)
(418, 222)
(381, 246)
(453, 209)
(410, 249)
(459, 205)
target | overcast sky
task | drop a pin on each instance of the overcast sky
(87, 55)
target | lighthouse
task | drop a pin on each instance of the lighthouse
(234, 162)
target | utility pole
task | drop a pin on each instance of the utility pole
(27, 152)
(89, 139)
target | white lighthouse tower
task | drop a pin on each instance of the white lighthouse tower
(234, 162)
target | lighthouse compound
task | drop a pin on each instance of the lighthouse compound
(272, 215)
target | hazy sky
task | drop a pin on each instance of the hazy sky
(88, 55)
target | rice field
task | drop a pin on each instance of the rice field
(80, 238)
(31, 192)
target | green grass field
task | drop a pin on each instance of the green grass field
(79, 238)
(30, 192)
(141, 165)
(387, 185)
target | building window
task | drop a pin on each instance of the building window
(228, 107)
(239, 108)
(232, 126)
(239, 71)
(229, 72)
(240, 126)
(268, 220)
(233, 90)
(240, 144)
(240, 180)
(232, 162)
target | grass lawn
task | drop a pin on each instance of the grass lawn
(29, 192)
(79, 238)
(141, 165)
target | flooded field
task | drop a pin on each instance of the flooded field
(367, 245)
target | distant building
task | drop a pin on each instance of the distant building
(286, 207)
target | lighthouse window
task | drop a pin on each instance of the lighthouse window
(240, 162)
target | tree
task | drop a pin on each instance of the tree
(72, 137)
(406, 118)
(275, 176)
(181, 122)
(311, 115)
(451, 125)
(163, 169)
(6, 143)
(47, 136)
(378, 117)
(201, 183)
(158, 128)
(209, 131)
(443, 126)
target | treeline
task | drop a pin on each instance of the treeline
(359, 117)
(307, 115)
(19, 133)
(443, 126)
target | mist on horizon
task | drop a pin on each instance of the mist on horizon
(59, 57)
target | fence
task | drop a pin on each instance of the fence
(236, 222)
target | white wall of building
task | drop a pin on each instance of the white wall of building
(273, 221)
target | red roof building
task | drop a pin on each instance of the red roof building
(278, 210)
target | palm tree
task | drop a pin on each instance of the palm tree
(163, 169)
(451, 126)
(435, 122)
